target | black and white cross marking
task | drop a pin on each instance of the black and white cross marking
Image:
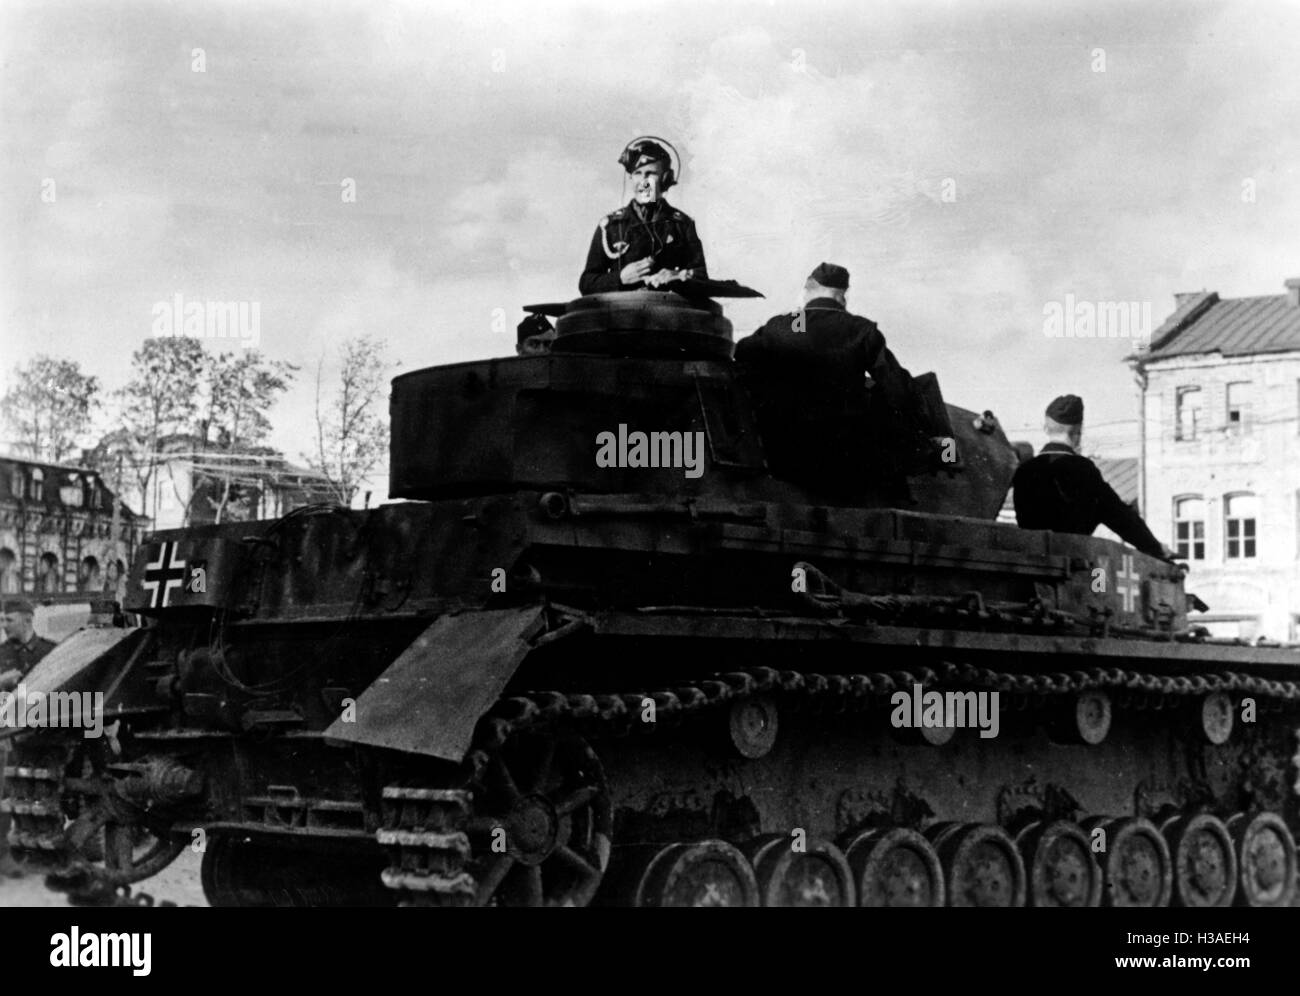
(163, 574)
(1126, 583)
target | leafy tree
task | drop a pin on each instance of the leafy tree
(351, 430)
(49, 406)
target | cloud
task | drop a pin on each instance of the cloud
(482, 143)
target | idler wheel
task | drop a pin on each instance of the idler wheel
(1266, 859)
(543, 824)
(981, 864)
(817, 875)
(1059, 865)
(1136, 862)
(1214, 718)
(710, 873)
(752, 723)
(1205, 860)
(895, 867)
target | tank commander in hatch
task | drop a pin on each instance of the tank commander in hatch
(805, 373)
(1064, 491)
(648, 242)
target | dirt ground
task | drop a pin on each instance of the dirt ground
(178, 883)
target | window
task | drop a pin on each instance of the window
(71, 494)
(8, 571)
(88, 578)
(1240, 397)
(38, 484)
(1189, 528)
(47, 574)
(1189, 412)
(1239, 519)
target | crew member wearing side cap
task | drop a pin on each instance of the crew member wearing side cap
(1064, 491)
(805, 369)
(22, 648)
(19, 653)
(648, 242)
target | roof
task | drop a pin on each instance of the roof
(54, 469)
(1120, 473)
(1241, 326)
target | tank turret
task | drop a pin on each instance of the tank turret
(642, 363)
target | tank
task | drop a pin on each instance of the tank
(600, 655)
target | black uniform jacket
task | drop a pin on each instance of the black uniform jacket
(1065, 492)
(664, 234)
(23, 656)
(831, 352)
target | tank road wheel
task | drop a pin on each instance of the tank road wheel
(542, 824)
(1136, 862)
(816, 875)
(895, 867)
(1266, 857)
(1059, 865)
(711, 873)
(981, 864)
(1204, 860)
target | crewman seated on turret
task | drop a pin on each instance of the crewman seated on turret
(821, 426)
(648, 242)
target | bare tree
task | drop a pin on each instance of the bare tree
(239, 392)
(351, 429)
(160, 400)
(49, 407)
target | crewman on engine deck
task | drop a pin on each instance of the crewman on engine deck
(648, 242)
(1063, 491)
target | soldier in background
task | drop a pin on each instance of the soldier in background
(805, 372)
(1063, 491)
(647, 243)
(19, 653)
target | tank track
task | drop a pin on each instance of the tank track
(427, 832)
(34, 799)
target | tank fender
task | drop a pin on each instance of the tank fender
(88, 660)
(430, 698)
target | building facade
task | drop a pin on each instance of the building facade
(193, 486)
(1220, 455)
(58, 532)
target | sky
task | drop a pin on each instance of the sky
(969, 163)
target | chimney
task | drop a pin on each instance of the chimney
(1293, 292)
